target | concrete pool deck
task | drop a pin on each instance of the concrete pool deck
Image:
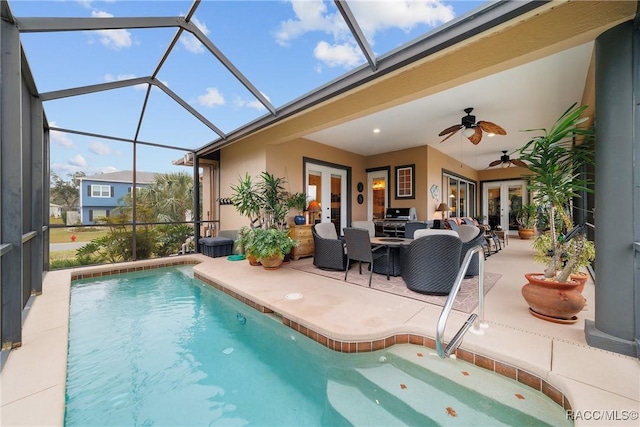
(597, 383)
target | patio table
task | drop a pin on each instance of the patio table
(392, 244)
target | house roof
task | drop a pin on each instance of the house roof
(122, 176)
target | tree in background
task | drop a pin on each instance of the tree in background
(170, 195)
(66, 193)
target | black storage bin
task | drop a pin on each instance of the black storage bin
(216, 246)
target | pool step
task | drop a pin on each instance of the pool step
(524, 403)
(428, 398)
(357, 408)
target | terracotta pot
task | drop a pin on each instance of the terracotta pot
(581, 278)
(272, 263)
(554, 301)
(525, 233)
(252, 260)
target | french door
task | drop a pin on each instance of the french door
(501, 201)
(328, 186)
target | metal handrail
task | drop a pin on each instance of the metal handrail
(28, 236)
(478, 319)
(5, 248)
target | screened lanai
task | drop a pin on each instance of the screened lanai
(164, 87)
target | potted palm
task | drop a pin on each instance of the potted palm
(552, 158)
(264, 202)
(526, 219)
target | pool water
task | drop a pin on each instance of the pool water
(159, 347)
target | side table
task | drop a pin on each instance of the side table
(301, 233)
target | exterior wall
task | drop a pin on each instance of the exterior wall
(248, 156)
(416, 156)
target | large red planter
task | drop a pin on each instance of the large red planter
(553, 301)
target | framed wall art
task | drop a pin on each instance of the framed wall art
(405, 182)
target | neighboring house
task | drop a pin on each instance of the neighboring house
(55, 211)
(100, 194)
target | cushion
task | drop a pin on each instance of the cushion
(467, 232)
(326, 230)
(432, 231)
(367, 225)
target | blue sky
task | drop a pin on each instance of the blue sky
(286, 49)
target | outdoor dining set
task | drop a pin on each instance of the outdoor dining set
(427, 259)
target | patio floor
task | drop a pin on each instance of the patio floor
(33, 376)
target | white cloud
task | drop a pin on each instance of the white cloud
(372, 17)
(112, 39)
(377, 15)
(212, 98)
(253, 103)
(62, 169)
(60, 138)
(336, 55)
(78, 160)
(190, 42)
(99, 148)
(310, 16)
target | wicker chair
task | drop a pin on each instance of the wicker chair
(411, 227)
(359, 249)
(430, 264)
(471, 237)
(367, 225)
(328, 251)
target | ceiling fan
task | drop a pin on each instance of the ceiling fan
(472, 130)
(505, 161)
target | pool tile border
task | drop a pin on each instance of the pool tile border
(500, 368)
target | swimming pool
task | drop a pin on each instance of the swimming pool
(160, 347)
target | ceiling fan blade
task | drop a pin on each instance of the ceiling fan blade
(454, 129)
(519, 162)
(477, 136)
(495, 163)
(451, 134)
(490, 127)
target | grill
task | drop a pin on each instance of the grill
(395, 219)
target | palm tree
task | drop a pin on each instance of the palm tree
(170, 196)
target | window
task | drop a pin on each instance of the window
(405, 182)
(460, 195)
(100, 191)
(98, 213)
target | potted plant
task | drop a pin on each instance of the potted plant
(245, 243)
(552, 159)
(270, 246)
(526, 219)
(298, 201)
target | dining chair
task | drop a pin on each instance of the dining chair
(359, 249)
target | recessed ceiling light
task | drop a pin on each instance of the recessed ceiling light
(376, 130)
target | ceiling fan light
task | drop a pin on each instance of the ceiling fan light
(504, 165)
(490, 134)
(468, 132)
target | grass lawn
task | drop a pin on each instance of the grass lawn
(63, 235)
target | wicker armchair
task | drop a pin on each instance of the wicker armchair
(412, 226)
(430, 264)
(328, 249)
(471, 237)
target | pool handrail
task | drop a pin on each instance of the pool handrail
(476, 319)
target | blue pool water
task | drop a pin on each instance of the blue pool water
(159, 347)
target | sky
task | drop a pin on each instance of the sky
(285, 49)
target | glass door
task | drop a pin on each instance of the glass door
(502, 201)
(328, 187)
(377, 194)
